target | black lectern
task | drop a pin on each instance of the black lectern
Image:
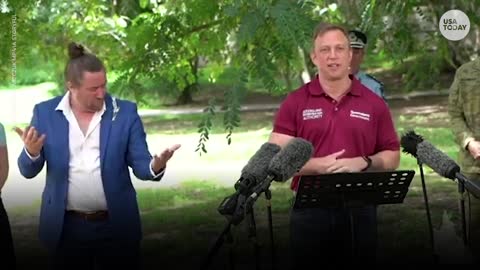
(350, 190)
(353, 189)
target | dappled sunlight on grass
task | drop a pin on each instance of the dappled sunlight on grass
(187, 193)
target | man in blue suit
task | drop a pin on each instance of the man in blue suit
(88, 140)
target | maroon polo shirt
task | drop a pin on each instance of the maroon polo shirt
(360, 122)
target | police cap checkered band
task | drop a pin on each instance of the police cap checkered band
(357, 39)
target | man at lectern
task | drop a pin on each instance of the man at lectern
(352, 130)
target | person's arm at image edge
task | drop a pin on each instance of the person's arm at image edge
(4, 168)
(463, 135)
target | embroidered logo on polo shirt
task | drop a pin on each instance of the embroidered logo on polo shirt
(360, 115)
(309, 114)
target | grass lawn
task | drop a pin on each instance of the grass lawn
(181, 223)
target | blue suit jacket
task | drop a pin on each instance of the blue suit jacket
(122, 145)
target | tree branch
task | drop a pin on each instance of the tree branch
(116, 37)
(202, 27)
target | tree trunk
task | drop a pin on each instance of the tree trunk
(286, 76)
(305, 75)
(186, 95)
(477, 40)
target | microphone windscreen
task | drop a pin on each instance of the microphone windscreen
(409, 142)
(290, 159)
(256, 168)
(440, 162)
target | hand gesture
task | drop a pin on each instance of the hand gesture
(474, 149)
(160, 161)
(355, 164)
(32, 140)
(323, 163)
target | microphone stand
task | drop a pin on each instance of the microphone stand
(429, 218)
(461, 200)
(229, 238)
(252, 229)
(225, 234)
(243, 208)
(252, 234)
(465, 187)
(268, 196)
(235, 219)
(263, 187)
(235, 207)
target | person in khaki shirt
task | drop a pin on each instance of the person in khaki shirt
(464, 112)
(7, 252)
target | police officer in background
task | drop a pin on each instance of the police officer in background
(358, 42)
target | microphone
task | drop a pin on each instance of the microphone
(256, 168)
(252, 173)
(285, 164)
(440, 162)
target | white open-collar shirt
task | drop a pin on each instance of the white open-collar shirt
(85, 187)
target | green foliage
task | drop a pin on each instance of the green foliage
(32, 76)
(205, 126)
(269, 38)
(33, 68)
(16, 37)
(170, 40)
(233, 98)
(405, 29)
(416, 80)
(143, 3)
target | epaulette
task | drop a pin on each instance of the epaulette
(373, 78)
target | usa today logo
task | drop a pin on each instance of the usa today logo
(454, 25)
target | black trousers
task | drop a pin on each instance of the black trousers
(88, 245)
(333, 236)
(7, 252)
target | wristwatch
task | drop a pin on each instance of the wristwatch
(369, 162)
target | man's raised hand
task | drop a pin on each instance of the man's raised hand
(32, 140)
(160, 161)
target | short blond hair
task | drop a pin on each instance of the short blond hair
(323, 28)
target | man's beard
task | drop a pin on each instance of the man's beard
(96, 106)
